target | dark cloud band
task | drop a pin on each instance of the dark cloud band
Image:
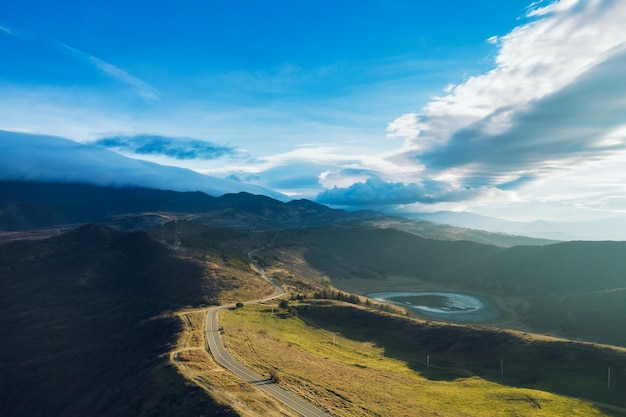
(177, 148)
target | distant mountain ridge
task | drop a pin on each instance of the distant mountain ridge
(606, 229)
(31, 205)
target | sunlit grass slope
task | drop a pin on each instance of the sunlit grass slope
(349, 377)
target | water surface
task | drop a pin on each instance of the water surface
(442, 305)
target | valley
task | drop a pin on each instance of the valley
(569, 289)
(153, 275)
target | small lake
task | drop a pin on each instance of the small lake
(442, 305)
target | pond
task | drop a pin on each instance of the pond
(442, 305)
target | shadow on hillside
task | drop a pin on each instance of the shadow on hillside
(85, 328)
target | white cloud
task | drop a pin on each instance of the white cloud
(307, 169)
(405, 126)
(552, 105)
(534, 60)
(492, 40)
(145, 90)
(612, 204)
(556, 7)
(6, 30)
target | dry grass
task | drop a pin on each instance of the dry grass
(233, 284)
(352, 378)
(194, 362)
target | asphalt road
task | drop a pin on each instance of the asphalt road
(222, 357)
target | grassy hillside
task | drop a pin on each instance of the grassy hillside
(561, 268)
(89, 320)
(571, 289)
(596, 315)
(561, 366)
(84, 327)
(345, 252)
(557, 269)
(351, 361)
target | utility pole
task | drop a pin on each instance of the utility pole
(609, 378)
(501, 367)
(427, 361)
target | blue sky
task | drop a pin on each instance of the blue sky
(507, 108)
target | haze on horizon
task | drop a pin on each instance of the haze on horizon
(507, 109)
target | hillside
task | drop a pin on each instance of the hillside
(392, 252)
(84, 326)
(346, 252)
(572, 289)
(454, 352)
(81, 306)
(564, 268)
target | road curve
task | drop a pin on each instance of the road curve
(222, 357)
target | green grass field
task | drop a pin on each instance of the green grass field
(356, 377)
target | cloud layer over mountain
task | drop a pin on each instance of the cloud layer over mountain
(526, 122)
(26, 157)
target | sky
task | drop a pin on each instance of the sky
(512, 109)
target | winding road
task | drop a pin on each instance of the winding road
(214, 344)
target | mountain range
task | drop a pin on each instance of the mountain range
(43, 209)
(32, 158)
(32, 205)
